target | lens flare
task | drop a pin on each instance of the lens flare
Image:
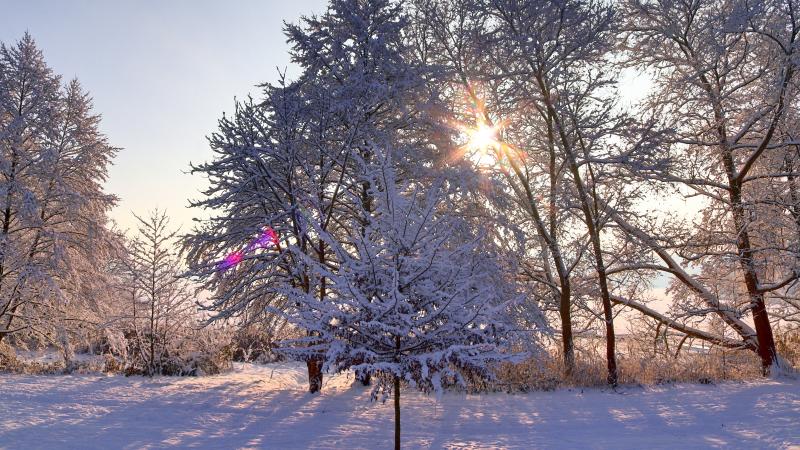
(266, 239)
(231, 260)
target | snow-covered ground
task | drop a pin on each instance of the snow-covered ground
(267, 407)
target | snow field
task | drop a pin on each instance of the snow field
(268, 407)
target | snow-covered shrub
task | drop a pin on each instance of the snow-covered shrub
(211, 352)
(255, 343)
(8, 358)
(198, 351)
(637, 365)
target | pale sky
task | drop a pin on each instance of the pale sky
(161, 73)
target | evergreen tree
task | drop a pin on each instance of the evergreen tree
(54, 233)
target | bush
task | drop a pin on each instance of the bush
(252, 344)
(8, 359)
(192, 352)
(788, 345)
(636, 365)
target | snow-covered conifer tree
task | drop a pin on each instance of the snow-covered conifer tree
(54, 234)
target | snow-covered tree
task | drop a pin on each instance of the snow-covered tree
(55, 241)
(413, 298)
(727, 86)
(289, 160)
(264, 173)
(539, 81)
(162, 307)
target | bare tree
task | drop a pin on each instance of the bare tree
(726, 79)
(541, 78)
(162, 304)
(453, 31)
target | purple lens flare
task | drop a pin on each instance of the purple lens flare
(266, 239)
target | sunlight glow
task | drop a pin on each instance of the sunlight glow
(483, 137)
(483, 143)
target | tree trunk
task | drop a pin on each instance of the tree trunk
(566, 331)
(551, 245)
(6, 229)
(605, 295)
(592, 225)
(766, 341)
(314, 375)
(746, 254)
(608, 316)
(396, 412)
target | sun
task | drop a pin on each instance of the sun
(483, 137)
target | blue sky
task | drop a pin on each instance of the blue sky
(161, 73)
